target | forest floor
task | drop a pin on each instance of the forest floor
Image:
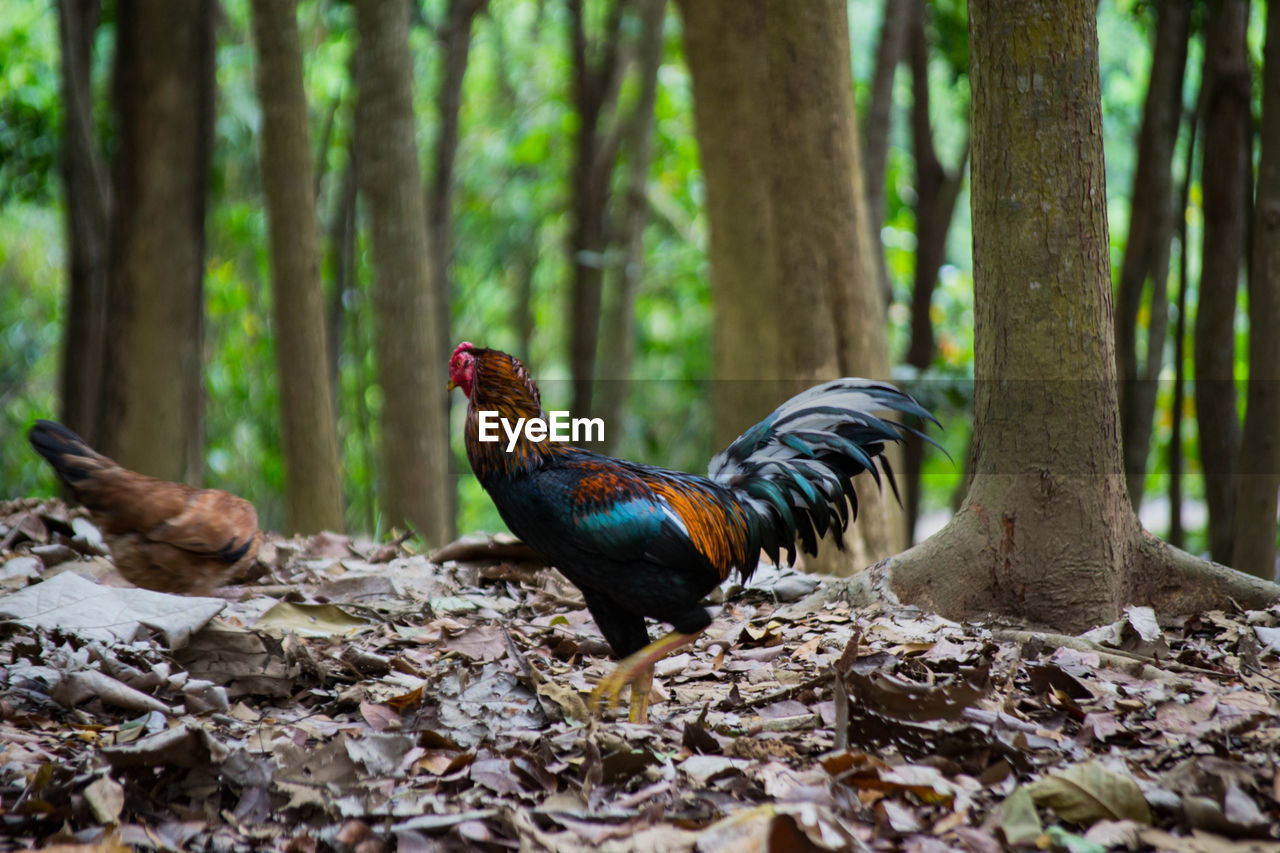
(359, 697)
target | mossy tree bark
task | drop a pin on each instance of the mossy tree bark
(152, 373)
(313, 488)
(1046, 532)
(792, 264)
(413, 456)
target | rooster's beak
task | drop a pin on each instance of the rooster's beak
(452, 385)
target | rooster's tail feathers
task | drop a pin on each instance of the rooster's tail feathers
(794, 469)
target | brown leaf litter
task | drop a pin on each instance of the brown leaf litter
(361, 697)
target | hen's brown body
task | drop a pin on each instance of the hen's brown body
(164, 536)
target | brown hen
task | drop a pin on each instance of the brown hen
(164, 536)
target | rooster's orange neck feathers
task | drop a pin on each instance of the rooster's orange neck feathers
(501, 384)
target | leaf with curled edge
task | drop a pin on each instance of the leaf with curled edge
(1089, 792)
(863, 771)
(905, 700)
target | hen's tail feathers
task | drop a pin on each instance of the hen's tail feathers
(70, 456)
(794, 469)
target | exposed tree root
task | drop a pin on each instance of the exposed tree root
(1173, 581)
(958, 571)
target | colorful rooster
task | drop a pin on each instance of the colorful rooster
(641, 541)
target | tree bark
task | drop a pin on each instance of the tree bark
(1254, 549)
(455, 48)
(1224, 176)
(618, 344)
(724, 49)
(877, 123)
(1151, 227)
(788, 220)
(1046, 533)
(152, 374)
(313, 488)
(84, 178)
(597, 76)
(455, 44)
(413, 457)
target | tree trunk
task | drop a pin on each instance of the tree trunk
(455, 48)
(618, 345)
(1224, 176)
(877, 123)
(313, 488)
(597, 75)
(1259, 482)
(1176, 533)
(1146, 256)
(85, 180)
(455, 44)
(152, 376)
(788, 219)
(724, 49)
(937, 191)
(413, 458)
(1046, 532)
(341, 250)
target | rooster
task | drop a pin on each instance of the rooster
(640, 541)
(164, 536)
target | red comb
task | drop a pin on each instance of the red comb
(465, 346)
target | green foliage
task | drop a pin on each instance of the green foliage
(30, 111)
(30, 328)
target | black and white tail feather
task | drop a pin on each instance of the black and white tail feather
(793, 471)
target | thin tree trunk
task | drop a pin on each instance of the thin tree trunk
(524, 266)
(522, 247)
(1151, 228)
(341, 240)
(340, 249)
(85, 180)
(876, 125)
(1224, 177)
(1176, 535)
(937, 191)
(1255, 520)
(596, 80)
(455, 42)
(618, 344)
(152, 388)
(313, 488)
(413, 458)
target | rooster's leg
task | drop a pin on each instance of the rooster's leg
(637, 670)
